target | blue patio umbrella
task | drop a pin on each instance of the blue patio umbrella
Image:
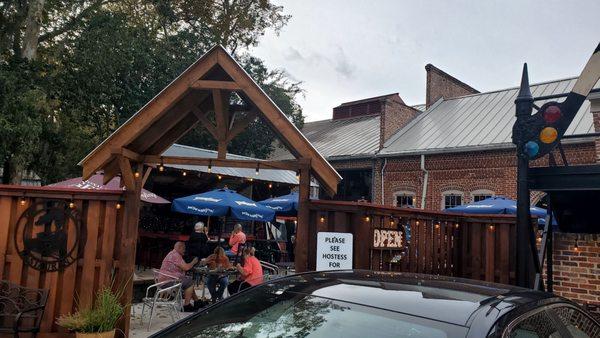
(286, 205)
(497, 205)
(223, 202)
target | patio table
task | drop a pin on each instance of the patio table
(200, 272)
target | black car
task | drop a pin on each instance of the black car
(381, 304)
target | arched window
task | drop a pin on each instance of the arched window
(404, 199)
(481, 194)
(452, 198)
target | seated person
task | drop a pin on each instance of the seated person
(218, 260)
(174, 265)
(237, 238)
(250, 274)
(197, 245)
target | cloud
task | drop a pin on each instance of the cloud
(338, 61)
(342, 65)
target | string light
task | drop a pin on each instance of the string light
(576, 247)
(367, 218)
(392, 221)
(71, 205)
(118, 206)
(23, 201)
(161, 167)
(297, 174)
(437, 226)
(270, 185)
(184, 173)
(250, 179)
(210, 166)
(491, 227)
(257, 168)
(136, 174)
(322, 219)
(219, 177)
(456, 225)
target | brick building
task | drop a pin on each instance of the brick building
(453, 150)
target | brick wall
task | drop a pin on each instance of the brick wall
(463, 172)
(394, 116)
(441, 84)
(577, 270)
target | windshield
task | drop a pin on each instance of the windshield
(265, 312)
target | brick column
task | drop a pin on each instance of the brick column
(595, 110)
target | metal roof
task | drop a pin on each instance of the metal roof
(354, 136)
(476, 122)
(271, 175)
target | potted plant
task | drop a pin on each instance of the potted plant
(98, 321)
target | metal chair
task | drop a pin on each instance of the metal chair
(21, 308)
(270, 271)
(166, 292)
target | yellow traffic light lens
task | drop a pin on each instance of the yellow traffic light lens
(548, 135)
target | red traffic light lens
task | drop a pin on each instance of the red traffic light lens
(552, 114)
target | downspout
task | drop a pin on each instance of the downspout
(382, 181)
(425, 179)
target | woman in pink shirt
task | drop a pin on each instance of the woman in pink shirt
(237, 238)
(251, 273)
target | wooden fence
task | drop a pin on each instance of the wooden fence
(471, 246)
(98, 252)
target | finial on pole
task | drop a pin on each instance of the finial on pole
(524, 90)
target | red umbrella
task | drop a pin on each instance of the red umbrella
(95, 183)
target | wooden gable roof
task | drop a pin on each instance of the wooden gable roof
(185, 103)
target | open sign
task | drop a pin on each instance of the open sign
(388, 239)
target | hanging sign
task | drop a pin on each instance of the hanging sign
(49, 236)
(334, 251)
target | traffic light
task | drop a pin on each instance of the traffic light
(540, 133)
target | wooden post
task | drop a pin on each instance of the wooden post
(129, 235)
(302, 235)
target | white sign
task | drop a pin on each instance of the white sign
(334, 251)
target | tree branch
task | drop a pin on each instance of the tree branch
(74, 21)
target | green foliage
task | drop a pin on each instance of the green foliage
(102, 317)
(99, 61)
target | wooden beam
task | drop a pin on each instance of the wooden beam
(126, 173)
(110, 171)
(206, 122)
(285, 130)
(209, 84)
(221, 104)
(168, 121)
(184, 126)
(130, 154)
(302, 229)
(146, 175)
(240, 125)
(144, 118)
(215, 162)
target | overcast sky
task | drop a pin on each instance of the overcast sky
(349, 50)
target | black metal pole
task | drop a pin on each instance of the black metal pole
(524, 105)
(549, 252)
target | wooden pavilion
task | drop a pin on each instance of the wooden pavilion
(200, 95)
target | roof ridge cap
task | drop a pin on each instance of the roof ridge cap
(515, 87)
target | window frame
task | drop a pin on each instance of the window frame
(481, 192)
(404, 193)
(446, 193)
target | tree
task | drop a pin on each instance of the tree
(25, 108)
(85, 66)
